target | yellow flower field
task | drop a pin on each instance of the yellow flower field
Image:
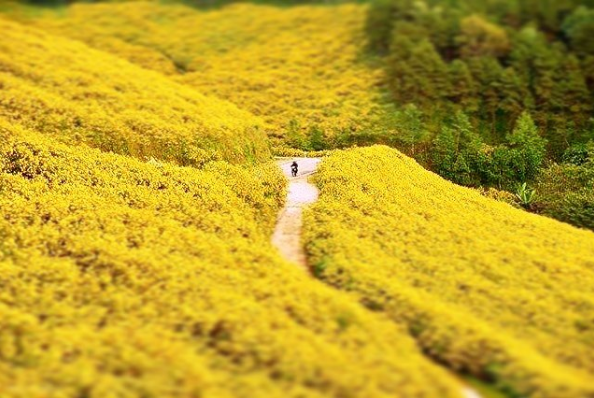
(138, 196)
(295, 67)
(483, 287)
(123, 278)
(76, 94)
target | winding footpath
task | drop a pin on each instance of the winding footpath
(287, 233)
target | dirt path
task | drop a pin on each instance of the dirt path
(287, 234)
(468, 392)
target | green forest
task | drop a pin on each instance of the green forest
(495, 93)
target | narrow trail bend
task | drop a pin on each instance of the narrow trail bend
(287, 233)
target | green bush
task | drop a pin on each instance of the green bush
(579, 153)
(578, 209)
(566, 193)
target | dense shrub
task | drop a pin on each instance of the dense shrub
(459, 154)
(566, 191)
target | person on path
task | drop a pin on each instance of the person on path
(294, 169)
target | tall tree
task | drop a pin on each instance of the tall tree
(412, 131)
(418, 72)
(488, 72)
(399, 72)
(527, 148)
(515, 94)
(545, 87)
(464, 89)
(579, 28)
(467, 140)
(456, 150)
(444, 153)
(576, 100)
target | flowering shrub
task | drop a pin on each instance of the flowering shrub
(483, 287)
(142, 279)
(76, 94)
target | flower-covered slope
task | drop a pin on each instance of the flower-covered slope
(297, 67)
(132, 279)
(77, 94)
(484, 287)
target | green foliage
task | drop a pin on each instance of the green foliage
(579, 28)
(456, 151)
(481, 38)
(293, 136)
(317, 141)
(493, 59)
(426, 76)
(464, 89)
(518, 75)
(567, 190)
(527, 149)
(378, 27)
(459, 154)
(444, 153)
(578, 209)
(579, 153)
(412, 130)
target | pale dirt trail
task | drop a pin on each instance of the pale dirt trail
(468, 392)
(287, 233)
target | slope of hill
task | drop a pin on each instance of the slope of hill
(296, 67)
(77, 94)
(484, 287)
(124, 278)
(131, 278)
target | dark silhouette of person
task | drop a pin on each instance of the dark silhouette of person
(294, 169)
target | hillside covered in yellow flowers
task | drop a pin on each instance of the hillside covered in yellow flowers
(67, 90)
(138, 196)
(126, 278)
(298, 68)
(483, 287)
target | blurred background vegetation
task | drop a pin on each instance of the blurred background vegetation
(495, 93)
(486, 93)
